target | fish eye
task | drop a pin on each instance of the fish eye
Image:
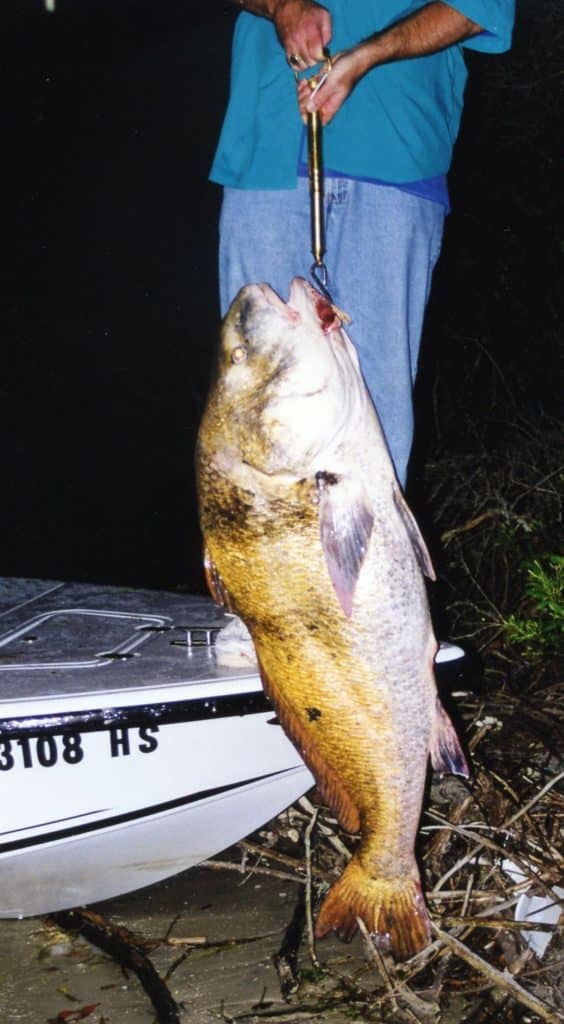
(239, 354)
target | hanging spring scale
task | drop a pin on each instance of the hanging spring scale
(318, 268)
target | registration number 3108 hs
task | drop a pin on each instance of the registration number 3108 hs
(48, 750)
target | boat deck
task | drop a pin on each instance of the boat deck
(78, 644)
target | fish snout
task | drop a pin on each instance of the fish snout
(313, 305)
(254, 304)
(286, 309)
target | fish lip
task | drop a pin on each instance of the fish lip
(303, 301)
(287, 309)
(301, 292)
(304, 297)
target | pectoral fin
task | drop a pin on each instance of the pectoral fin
(414, 533)
(446, 751)
(345, 524)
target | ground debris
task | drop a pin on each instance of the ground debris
(286, 960)
(129, 950)
(480, 967)
(70, 1016)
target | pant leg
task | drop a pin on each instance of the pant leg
(263, 236)
(382, 246)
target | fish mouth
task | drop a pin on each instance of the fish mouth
(287, 309)
(303, 300)
(303, 296)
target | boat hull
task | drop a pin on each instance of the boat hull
(125, 758)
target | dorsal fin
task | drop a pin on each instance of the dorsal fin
(414, 533)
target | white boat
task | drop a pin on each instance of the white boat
(126, 753)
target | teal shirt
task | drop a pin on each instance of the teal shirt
(398, 125)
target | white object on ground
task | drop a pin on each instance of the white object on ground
(537, 909)
(448, 652)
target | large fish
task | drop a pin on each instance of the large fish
(309, 540)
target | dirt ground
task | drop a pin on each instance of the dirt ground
(47, 975)
(206, 945)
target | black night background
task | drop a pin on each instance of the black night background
(110, 312)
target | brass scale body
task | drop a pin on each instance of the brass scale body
(315, 170)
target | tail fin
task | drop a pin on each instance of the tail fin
(393, 910)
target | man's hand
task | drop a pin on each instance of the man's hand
(304, 28)
(431, 28)
(345, 71)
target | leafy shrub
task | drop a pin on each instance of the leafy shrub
(541, 631)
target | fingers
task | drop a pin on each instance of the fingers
(309, 45)
(331, 104)
(304, 94)
(304, 29)
(304, 51)
(327, 101)
(330, 96)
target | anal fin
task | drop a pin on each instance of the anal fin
(446, 750)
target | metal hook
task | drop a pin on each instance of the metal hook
(319, 273)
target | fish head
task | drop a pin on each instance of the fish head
(287, 379)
